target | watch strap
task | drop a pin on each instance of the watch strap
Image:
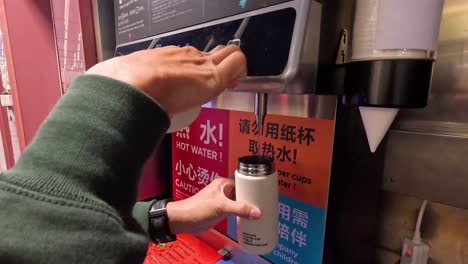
(159, 230)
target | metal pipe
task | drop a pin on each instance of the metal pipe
(260, 109)
(241, 29)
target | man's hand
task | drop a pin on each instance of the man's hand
(206, 208)
(178, 78)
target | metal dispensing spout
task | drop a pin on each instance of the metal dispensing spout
(260, 109)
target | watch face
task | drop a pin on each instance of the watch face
(157, 212)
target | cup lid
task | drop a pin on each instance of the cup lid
(256, 165)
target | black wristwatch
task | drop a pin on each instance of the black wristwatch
(159, 230)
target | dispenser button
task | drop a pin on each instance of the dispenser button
(236, 42)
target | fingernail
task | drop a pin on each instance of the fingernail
(255, 213)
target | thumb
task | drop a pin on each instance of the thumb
(241, 209)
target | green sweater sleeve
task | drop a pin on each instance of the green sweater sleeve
(69, 198)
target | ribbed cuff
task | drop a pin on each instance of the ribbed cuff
(140, 213)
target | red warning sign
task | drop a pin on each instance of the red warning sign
(200, 153)
(301, 148)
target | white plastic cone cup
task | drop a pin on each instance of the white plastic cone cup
(377, 121)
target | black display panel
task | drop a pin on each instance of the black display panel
(138, 19)
(266, 40)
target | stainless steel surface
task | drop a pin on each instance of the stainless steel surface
(443, 227)
(299, 75)
(432, 167)
(103, 15)
(313, 106)
(260, 108)
(256, 165)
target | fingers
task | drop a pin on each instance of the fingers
(233, 68)
(191, 51)
(220, 53)
(230, 63)
(241, 209)
(216, 49)
(228, 188)
(230, 206)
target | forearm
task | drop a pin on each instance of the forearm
(93, 144)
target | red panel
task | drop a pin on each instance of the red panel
(149, 186)
(32, 60)
(200, 154)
